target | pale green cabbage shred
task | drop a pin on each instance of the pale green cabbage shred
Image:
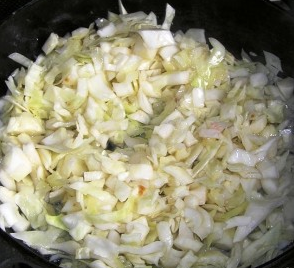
(133, 146)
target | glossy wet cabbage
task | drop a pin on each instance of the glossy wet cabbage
(132, 146)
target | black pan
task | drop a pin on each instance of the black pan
(254, 25)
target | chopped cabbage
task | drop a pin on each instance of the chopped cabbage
(125, 145)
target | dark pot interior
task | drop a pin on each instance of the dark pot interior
(254, 25)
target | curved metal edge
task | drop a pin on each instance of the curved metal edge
(285, 6)
(13, 252)
(284, 260)
(16, 9)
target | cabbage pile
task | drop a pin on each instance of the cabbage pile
(132, 146)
